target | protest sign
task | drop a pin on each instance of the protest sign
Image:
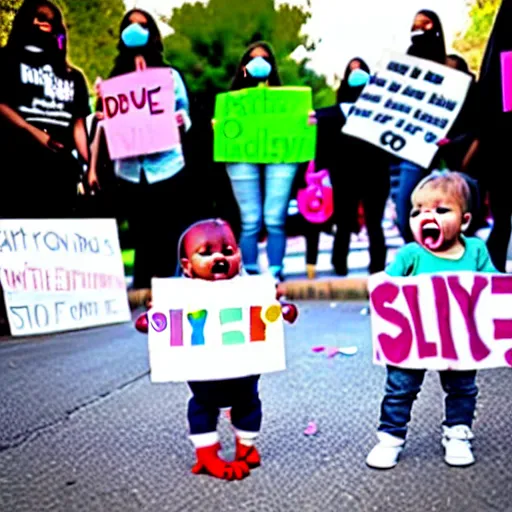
(506, 80)
(61, 274)
(408, 105)
(446, 321)
(264, 125)
(139, 113)
(209, 330)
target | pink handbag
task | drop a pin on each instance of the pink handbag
(316, 202)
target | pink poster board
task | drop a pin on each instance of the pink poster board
(506, 80)
(446, 321)
(139, 113)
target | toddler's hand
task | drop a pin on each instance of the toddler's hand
(142, 323)
(289, 311)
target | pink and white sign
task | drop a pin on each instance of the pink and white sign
(139, 113)
(506, 80)
(446, 321)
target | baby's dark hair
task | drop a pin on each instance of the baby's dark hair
(206, 222)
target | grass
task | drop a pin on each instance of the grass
(128, 258)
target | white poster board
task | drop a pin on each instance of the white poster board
(210, 330)
(61, 274)
(408, 105)
(446, 321)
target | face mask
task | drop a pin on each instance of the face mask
(134, 36)
(358, 77)
(259, 68)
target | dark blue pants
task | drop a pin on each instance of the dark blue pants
(209, 396)
(403, 386)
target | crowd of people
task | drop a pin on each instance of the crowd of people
(61, 166)
(49, 136)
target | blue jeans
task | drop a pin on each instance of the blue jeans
(410, 175)
(208, 396)
(403, 386)
(247, 182)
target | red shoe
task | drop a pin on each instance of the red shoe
(209, 462)
(247, 454)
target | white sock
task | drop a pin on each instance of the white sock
(246, 438)
(202, 440)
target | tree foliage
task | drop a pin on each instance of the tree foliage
(92, 31)
(472, 43)
(8, 9)
(209, 40)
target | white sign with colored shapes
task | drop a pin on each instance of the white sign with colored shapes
(211, 330)
(446, 321)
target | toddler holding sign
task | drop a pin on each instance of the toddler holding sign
(437, 220)
(208, 250)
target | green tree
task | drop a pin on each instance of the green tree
(8, 9)
(471, 45)
(209, 40)
(92, 30)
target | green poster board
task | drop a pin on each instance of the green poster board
(264, 125)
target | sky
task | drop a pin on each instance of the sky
(348, 28)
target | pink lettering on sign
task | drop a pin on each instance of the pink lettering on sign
(396, 349)
(506, 80)
(139, 113)
(467, 303)
(413, 304)
(502, 326)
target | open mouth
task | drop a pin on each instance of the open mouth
(220, 267)
(431, 235)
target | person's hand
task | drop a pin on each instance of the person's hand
(289, 312)
(92, 180)
(45, 140)
(140, 63)
(312, 118)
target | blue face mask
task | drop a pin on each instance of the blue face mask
(259, 68)
(358, 77)
(134, 36)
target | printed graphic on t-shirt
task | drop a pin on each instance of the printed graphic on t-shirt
(50, 106)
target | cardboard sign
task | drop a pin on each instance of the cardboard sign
(210, 330)
(61, 274)
(408, 105)
(447, 321)
(264, 125)
(506, 80)
(139, 113)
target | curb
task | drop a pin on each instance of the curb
(343, 288)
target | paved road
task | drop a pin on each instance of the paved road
(83, 429)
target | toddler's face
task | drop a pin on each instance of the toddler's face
(212, 253)
(437, 222)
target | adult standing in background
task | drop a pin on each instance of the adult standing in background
(43, 106)
(427, 42)
(495, 135)
(359, 172)
(269, 208)
(153, 188)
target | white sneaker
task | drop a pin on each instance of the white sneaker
(457, 445)
(384, 455)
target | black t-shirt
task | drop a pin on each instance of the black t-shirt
(46, 99)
